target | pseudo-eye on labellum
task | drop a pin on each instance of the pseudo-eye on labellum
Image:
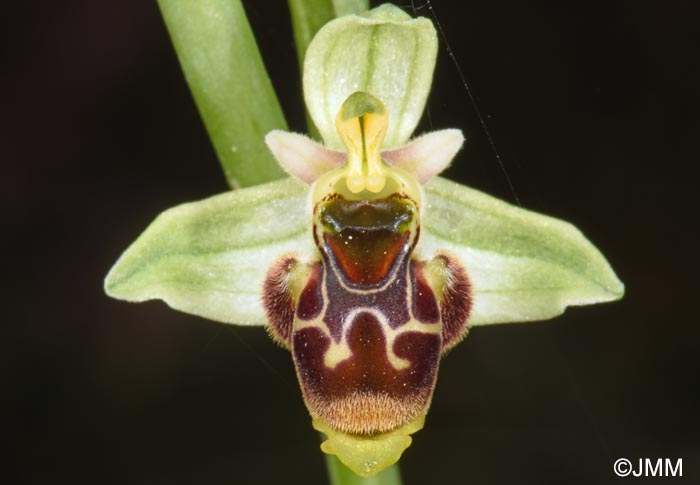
(368, 321)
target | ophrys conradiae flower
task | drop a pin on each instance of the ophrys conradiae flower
(365, 264)
(366, 320)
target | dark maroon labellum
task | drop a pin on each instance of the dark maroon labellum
(370, 322)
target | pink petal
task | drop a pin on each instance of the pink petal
(427, 155)
(301, 157)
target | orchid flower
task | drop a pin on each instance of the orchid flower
(364, 263)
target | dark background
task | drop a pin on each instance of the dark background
(591, 106)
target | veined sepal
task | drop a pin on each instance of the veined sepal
(383, 52)
(209, 258)
(524, 266)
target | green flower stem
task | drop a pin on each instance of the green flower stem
(223, 67)
(341, 475)
(347, 7)
(308, 16)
